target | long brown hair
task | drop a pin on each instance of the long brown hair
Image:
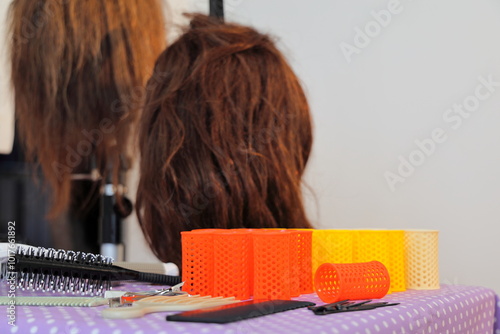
(77, 70)
(224, 137)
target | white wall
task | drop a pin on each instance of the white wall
(371, 110)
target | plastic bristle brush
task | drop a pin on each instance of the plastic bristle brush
(82, 273)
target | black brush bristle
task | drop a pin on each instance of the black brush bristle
(48, 269)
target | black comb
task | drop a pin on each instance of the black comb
(48, 269)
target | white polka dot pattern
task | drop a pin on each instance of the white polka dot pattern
(451, 309)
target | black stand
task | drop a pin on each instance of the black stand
(112, 214)
(110, 224)
(217, 9)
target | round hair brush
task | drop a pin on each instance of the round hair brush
(54, 270)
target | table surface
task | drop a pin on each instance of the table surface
(451, 309)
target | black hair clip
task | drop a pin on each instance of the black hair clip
(347, 306)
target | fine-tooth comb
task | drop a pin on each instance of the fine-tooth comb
(165, 303)
(54, 270)
(55, 301)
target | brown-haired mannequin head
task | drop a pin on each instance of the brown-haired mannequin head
(224, 138)
(78, 68)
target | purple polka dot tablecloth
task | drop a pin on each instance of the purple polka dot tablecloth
(451, 309)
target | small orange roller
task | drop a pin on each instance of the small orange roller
(338, 281)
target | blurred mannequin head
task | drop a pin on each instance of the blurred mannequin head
(78, 68)
(224, 138)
